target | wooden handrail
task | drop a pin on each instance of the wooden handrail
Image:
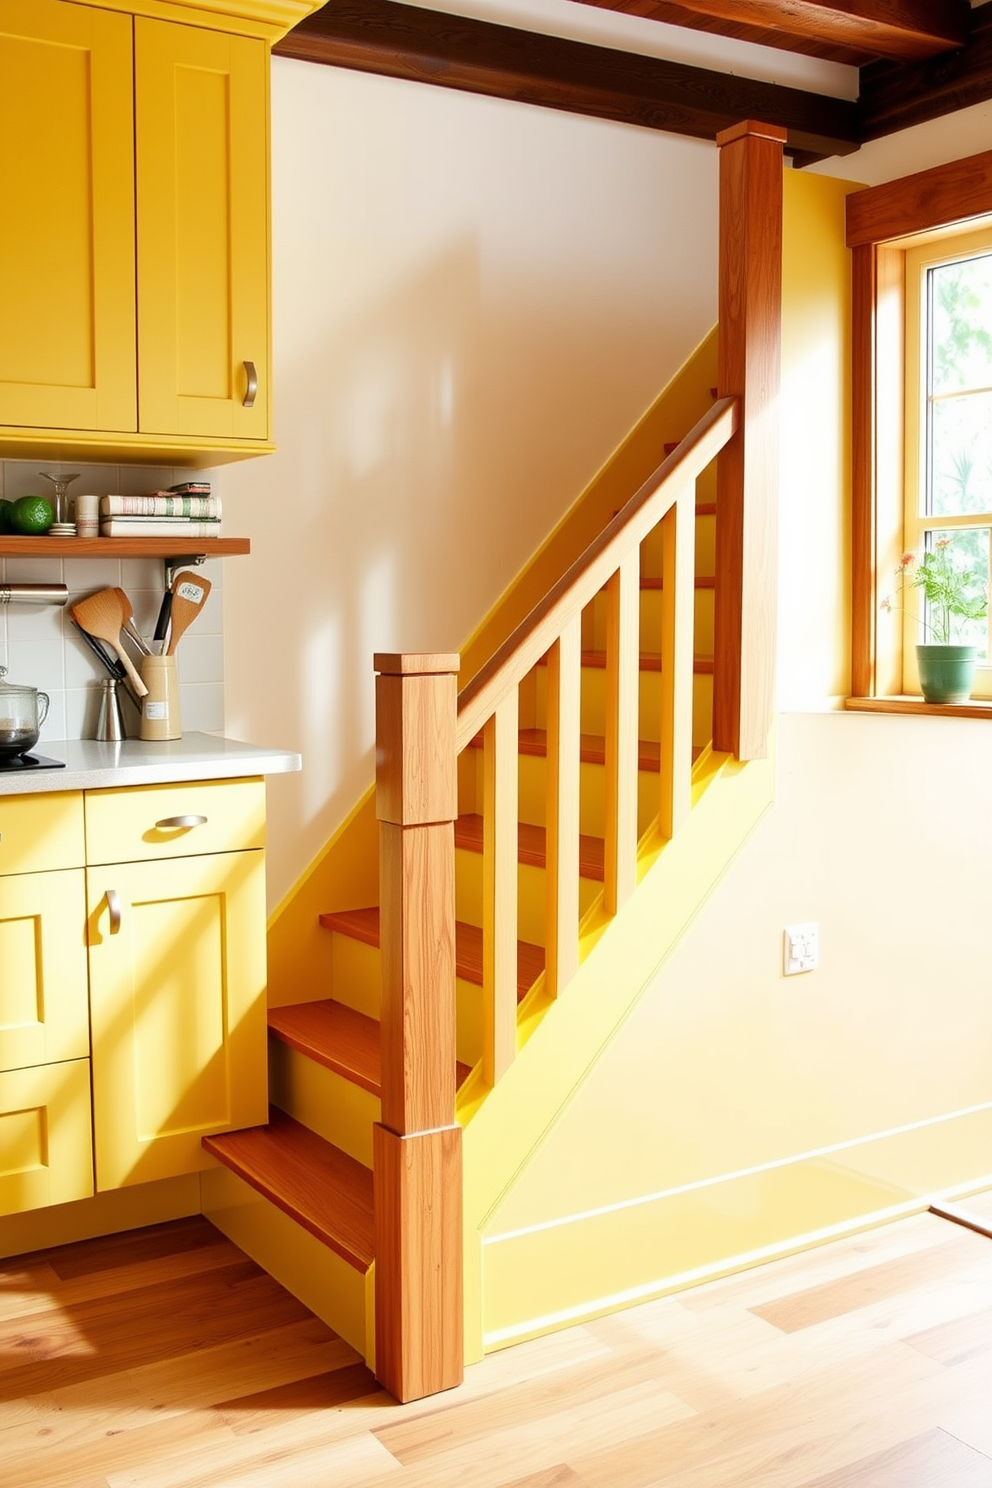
(602, 558)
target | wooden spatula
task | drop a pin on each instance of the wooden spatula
(100, 615)
(127, 623)
(188, 593)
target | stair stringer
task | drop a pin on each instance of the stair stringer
(506, 1126)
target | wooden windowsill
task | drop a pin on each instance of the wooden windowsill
(974, 708)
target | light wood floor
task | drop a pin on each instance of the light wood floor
(165, 1359)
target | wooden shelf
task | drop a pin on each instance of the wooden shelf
(122, 547)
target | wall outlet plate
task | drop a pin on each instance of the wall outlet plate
(801, 948)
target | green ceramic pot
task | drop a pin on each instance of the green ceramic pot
(947, 673)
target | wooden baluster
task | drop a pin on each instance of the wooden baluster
(417, 1144)
(677, 617)
(499, 890)
(562, 918)
(622, 643)
(747, 470)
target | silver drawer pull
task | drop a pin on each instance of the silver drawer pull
(181, 821)
(114, 906)
(252, 388)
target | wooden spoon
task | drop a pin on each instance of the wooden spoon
(127, 623)
(188, 593)
(100, 616)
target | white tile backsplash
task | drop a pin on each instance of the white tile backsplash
(39, 644)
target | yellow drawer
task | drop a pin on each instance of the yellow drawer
(44, 1002)
(150, 822)
(46, 1154)
(41, 832)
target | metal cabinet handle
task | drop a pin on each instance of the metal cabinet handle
(252, 388)
(181, 821)
(114, 906)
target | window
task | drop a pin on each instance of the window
(922, 412)
(948, 450)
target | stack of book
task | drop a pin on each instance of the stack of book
(186, 510)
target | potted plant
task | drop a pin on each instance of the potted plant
(953, 593)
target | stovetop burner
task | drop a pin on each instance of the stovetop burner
(31, 762)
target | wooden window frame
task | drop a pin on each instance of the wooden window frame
(882, 223)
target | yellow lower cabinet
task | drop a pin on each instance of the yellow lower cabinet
(44, 1011)
(45, 1150)
(177, 1009)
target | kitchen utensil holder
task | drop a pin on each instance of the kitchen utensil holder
(110, 720)
(160, 718)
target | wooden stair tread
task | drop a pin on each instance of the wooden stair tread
(701, 581)
(592, 748)
(650, 661)
(532, 845)
(335, 1036)
(703, 508)
(315, 1183)
(363, 925)
(338, 1037)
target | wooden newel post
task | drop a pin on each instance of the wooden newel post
(417, 1144)
(747, 470)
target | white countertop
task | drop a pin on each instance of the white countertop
(93, 766)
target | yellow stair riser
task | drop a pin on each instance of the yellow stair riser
(705, 545)
(532, 787)
(651, 601)
(334, 1107)
(530, 895)
(339, 1295)
(652, 548)
(355, 982)
(593, 705)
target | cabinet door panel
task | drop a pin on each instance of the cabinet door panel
(45, 1152)
(67, 318)
(177, 997)
(202, 203)
(44, 1011)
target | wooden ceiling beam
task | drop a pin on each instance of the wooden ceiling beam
(673, 14)
(405, 41)
(906, 30)
(894, 97)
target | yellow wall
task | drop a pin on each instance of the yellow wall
(738, 1111)
(814, 635)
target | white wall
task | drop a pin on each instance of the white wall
(473, 302)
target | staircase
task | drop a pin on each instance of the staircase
(313, 1161)
(513, 833)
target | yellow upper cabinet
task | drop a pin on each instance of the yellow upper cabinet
(67, 314)
(134, 259)
(202, 204)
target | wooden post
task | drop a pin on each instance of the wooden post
(747, 471)
(417, 1145)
